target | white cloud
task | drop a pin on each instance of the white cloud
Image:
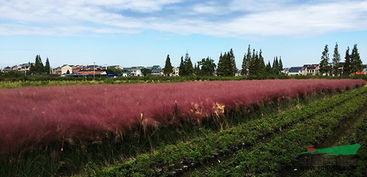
(253, 18)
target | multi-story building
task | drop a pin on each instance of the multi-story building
(157, 70)
(311, 69)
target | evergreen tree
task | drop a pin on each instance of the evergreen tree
(356, 62)
(275, 67)
(268, 69)
(188, 65)
(168, 69)
(182, 69)
(246, 62)
(226, 64)
(256, 64)
(336, 61)
(47, 67)
(324, 63)
(37, 67)
(261, 64)
(40, 68)
(232, 63)
(222, 67)
(197, 69)
(252, 63)
(280, 64)
(186, 68)
(207, 67)
(347, 65)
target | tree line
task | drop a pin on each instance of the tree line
(252, 65)
(352, 62)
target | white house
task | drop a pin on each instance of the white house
(66, 69)
(176, 71)
(136, 72)
(133, 71)
(311, 69)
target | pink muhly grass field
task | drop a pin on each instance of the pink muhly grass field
(40, 115)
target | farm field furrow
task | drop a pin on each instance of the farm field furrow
(268, 158)
(175, 159)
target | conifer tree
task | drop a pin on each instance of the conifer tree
(280, 64)
(182, 69)
(347, 65)
(223, 65)
(246, 62)
(336, 61)
(356, 62)
(47, 67)
(168, 69)
(232, 61)
(37, 67)
(261, 64)
(220, 69)
(252, 63)
(188, 65)
(268, 68)
(275, 67)
(256, 64)
(226, 64)
(324, 63)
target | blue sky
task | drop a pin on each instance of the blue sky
(143, 32)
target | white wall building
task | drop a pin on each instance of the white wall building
(176, 71)
(136, 72)
(311, 69)
(65, 69)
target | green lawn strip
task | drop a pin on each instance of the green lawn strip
(268, 158)
(359, 167)
(173, 158)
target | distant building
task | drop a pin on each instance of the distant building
(56, 71)
(7, 69)
(311, 69)
(176, 71)
(66, 69)
(292, 71)
(22, 67)
(157, 70)
(133, 71)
